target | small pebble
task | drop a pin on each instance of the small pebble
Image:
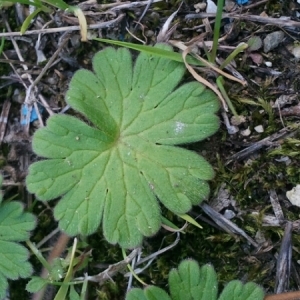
(199, 7)
(52, 80)
(229, 5)
(268, 64)
(149, 33)
(237, 120)
(259, 129)
(296, 52)
(229, 214)
(211, 7)
(294, 195)
(272, 40)
(246, 132)
(75, 40)
(18, 96)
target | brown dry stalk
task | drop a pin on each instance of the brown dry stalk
(202, 80)
(58, 249)
(253, 18)
(64, 29)
(284, 296)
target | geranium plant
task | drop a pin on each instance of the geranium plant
(114, 165)
(15, 226)
(189, 282)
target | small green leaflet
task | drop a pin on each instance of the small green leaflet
(15, 225)
(189, 282)
(149, 293)
(114, 170)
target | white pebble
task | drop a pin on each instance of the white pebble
(259, 128)
(268, 64)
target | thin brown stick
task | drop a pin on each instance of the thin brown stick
(284, 296)
(58, 249)
(134, 4)
(62, 29)
(268, 141)
(253, 18)
(254, 4)
(4, 118)
(28, 89)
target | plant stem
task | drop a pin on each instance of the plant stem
(63, 291)
(39, 256)
(217, 30)
(220, 82)
(131, 270)
(241, 47)
(284, 296)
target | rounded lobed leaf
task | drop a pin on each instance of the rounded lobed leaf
(36, 284)
(114, 171)
(149, 293)
(14, 223)
(236, 290)
(14, 227)
(191, 282)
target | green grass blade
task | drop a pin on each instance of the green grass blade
(62, 293)
(28, 2)
(58, 3)
(153, 51)
(168, 223)
(217, 30)
(1, 50)
(190, 220)
(27, 21)
(232, 55)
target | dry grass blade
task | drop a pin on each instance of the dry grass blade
(284, 259)
(226, 224)
(165, 33)
(253, 18)
(4, 118)
(202, 80)
(66, 28)
(276, 205)
(183, 47)
(268, 141)
(112, 269)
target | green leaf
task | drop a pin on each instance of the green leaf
(190, 282)
(14, 223)
(114, 171)
(149, 293)
(73, 295)
(236, 290)
(36, 284)
(254, 43)
(1, 195)
(57, 270)
(14, 227)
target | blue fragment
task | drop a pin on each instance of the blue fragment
(33, 115)
(241, 2)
